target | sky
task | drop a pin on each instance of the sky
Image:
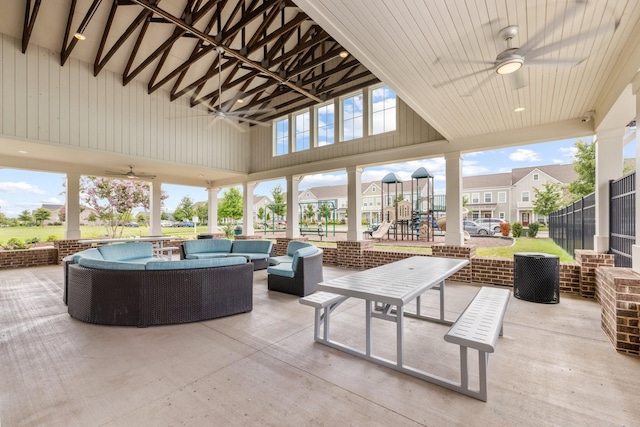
(22, 189)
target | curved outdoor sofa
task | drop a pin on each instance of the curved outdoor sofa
(149, 292)
(300, 276)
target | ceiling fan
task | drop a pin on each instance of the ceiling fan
(130, 174)
(510, 61)
(234, 117)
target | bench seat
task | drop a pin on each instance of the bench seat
(478, 327)
(324, 303)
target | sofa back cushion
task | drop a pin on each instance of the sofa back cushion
(207, 246)
(294, 245)
(302, 252)
(196, 263)
(111, 265)
(126, 251)
(92, 253)
(252, 246)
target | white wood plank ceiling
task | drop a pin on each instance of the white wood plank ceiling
(424, 50)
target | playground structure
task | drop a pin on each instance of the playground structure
(411, 219)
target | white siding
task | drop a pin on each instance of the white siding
(69, 107)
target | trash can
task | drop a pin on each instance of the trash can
(536, 277)
(238, 230)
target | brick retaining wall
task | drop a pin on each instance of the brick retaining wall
(375, 257)
(590, 260)
(28, 258)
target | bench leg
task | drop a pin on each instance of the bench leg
(483, 357)
(464, 372)
(316, 324)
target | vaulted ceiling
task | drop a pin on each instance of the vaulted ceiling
(274, 58)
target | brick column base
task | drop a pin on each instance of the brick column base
(350, 254)
(619, 293)
(69, 247)
(464, 252)
(590, 260)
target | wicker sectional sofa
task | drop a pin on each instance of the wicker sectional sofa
(298, 272)
(131, 289)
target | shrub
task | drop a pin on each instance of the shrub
(516, 229)
(14, 244)
(505, 228)
(533, 229)
(228, 230)
(32, 240)
(52, 238)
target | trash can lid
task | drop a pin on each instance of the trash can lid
(535, 255)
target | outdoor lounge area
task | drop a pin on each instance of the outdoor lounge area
(554, 366)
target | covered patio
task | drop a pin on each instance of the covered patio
(554, 366)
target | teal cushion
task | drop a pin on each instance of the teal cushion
(196, 263)
(251, 256)
(294, 245)
(275, 260)
(283, 269)
(207, 255)
(207, 246)
(302, 252)
(252, 247)
(110, 265)
(126, 251)
(92, 253)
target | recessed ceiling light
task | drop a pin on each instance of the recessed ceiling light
(22, 152)
(200, 175)
(343, 54)
(518, 109)
(240, 101)
(80, 36)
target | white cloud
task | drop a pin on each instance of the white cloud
(322, 180)
(20, 187)
(568, 152)
(52, 201)
(524, 155)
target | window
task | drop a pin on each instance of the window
(475, 197)
(525, 196)
(502, 197)
(535, 176)
(373, 189)
(501, 215)
(282, 137)
(487, 197)
(325, 120)
(383, 110)
(352, 117)
(301, 122)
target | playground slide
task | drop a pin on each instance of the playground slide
(382, 230)
(442, 225)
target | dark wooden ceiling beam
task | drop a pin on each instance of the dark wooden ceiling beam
(246, 20)
(68, 48)
(30, 16)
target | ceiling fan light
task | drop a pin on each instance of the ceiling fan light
(509, 65)
(343, 54)
(80, 36)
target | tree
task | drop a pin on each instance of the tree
(585, 165)
(231, 205)
(279, 203)
(309, 211)
(141, 218)
(25, 217)
(185, 210)
(547, 200)
(325, 211)
(261, 213)
(41, 215)
(164, 216)
(203, 213)
(114, 199)
(62, 214)
(92, 218)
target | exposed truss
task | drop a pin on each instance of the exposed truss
(275, 56)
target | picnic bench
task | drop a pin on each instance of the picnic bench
(312, 230)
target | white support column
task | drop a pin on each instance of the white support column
(454, 235)
(293, 209)
(156, 209)
(247, 207)
(354, 203)
(212, 219)
(72, 208)
(609, 165)
(635, 250)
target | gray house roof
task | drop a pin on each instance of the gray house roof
(563, 173)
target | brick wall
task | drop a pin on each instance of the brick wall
(497, 271)
(463, 252)
(570, 278)
(330, 256)
(590, 260)
(28, 258)
(280, 247)
(69, 247)
(375, 258)
(619, 293)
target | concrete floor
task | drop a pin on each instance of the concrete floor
(553, 367)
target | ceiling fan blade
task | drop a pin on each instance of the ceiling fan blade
(448, 82)
(481, 84)
(232, 121)
(555, 62)
(551, 47)
(533, 41)
(517, 80)
(255, 122)
(114, 173)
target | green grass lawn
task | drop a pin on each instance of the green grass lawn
(88, 232)
(526, 244)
